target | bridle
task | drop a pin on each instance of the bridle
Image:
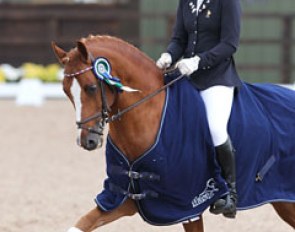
(104, 115)
(105, 110)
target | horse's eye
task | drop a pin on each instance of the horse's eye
(91, 89)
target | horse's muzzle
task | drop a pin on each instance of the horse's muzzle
(90, 142)
(91, 138)
(93, 141)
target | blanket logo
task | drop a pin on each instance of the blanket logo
(207, 194)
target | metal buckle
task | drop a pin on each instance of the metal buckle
(137, 197)
(134, 175)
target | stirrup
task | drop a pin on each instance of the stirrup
(225, 206)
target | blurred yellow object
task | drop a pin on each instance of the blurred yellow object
(2, 76)
(50, 73)
(32, 71)
(47, 73)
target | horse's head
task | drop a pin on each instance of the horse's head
(91, 97)
(90, 82)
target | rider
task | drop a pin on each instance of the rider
(206, 35)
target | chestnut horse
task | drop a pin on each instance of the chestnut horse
(95, 105)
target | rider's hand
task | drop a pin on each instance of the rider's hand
(164, 61)
(188, 65)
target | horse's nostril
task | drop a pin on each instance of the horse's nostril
(91, 144)
(90, 141)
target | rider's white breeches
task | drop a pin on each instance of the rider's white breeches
(218, 103)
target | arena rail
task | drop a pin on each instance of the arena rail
(32, 92)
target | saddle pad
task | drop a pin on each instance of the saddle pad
(178, 177)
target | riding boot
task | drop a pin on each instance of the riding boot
(226, 159)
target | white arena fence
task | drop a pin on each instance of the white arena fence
(20, 85)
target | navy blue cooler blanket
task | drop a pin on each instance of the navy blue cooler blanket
(177, 178)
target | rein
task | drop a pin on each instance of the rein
(146, 98)
(104, 114)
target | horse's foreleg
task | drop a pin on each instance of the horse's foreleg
(195, 226)
(96, 217)
(286, 211)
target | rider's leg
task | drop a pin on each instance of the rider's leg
(218, 103)
(226, 160)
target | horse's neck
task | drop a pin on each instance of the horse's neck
(136, 131)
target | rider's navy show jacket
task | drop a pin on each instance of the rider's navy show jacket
(212, 34)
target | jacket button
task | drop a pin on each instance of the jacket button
(193, 53)
(194, 42)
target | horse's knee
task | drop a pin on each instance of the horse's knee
(97, 218)
(86, 222)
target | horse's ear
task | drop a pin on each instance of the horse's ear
(60, 54)
(83, 51)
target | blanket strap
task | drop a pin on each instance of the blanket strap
(133, 196)
(117, 170)
(260, 175)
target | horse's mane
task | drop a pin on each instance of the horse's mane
(117, 44)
